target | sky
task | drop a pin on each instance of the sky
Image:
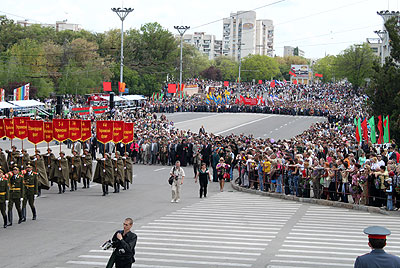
(318, 27)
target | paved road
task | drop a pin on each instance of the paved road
(228, 229)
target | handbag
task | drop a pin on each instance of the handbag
(171, 178)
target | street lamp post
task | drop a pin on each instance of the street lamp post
(181, 31)
(122, 13)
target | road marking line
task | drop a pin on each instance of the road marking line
(159, 169)
(205, 236)
(219, 219)
(320, 264)
(314, 257)
(323, 252)
(203, 232)
(184, 250)
(206, 241)
(242, 125)
(196, 229)
(199, 246)
(223, 264)
(195, 119)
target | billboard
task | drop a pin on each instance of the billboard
(301, 71)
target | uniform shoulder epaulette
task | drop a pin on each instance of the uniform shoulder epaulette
(23, 172)
(35, 173)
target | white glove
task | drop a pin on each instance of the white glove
(48, 166)
(35, 196)
(59, 158)
(72, 166)
(123, 157)
(84, 165)
(34, 159)
(115, 159)
(103, 159)
(104, 170)
(59, 168)
(124, 167)
(83, 156)
(116, 169)
(21, 199)
(12, 162)
(81, 178)
(47, 154)
(21, 155)
(6, 202)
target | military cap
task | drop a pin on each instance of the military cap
(37, 151)
(62, 152)
(377, 232)
(86, 150)
(29, 165)
(14, 146)
(15, 167)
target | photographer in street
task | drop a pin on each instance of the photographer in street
(123, 242)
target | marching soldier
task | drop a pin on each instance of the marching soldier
(119, 176)
(40, 168)
(15, 182)
(25, 159)
(30, 191)
(74, 164)
(50, 163)
(61, 173)
(86, 174)
(104, 173)
(12, 156)
(128, 167)
(4, 192)
(3, 161)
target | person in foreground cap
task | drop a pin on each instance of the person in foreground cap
(377, 258)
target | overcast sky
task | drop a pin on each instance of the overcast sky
(318, 27)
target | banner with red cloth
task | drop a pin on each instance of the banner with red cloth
(35, 131)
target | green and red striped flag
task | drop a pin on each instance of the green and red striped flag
(371, 123)
(357, 123)
(386, 132)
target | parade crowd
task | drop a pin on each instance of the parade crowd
(323, 162)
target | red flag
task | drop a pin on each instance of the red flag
(86, 130)
(380, 128)
(9, 128)
(171, 88)
(318, 75)
(295, 82)
(260, 82)
(118, 133)
(60, 129)
(106, 86)
(48, 131)
(128, 133)
(35, 131)
(75, 129)
(104, 131)
(272, 83)
(21, 127)
(121, 87)
(226, 83)
(2, 129)
(292, 73)
(241, 99)
(364, 126)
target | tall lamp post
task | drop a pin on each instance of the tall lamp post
(181, 30)
(122, 13)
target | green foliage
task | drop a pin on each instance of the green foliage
(384, 89)
(355, 64)
(259, 67)
(229, 68)
(326, 67)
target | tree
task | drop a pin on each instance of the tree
(384, 89)
(355, 64)
(228, 66)
(257, 67)
(212, 73)
(326, 67)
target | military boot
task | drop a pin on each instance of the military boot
(5, 221)
(10, 218)
(24, 214)
(34, 214)
(59, 189)
(20, 217)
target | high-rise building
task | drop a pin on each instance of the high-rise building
(292, 51)
(58, 26)
(205, 43)
(243, 35)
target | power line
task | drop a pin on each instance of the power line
(25, 18)
(240, 13)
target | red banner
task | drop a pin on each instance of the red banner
(318, 75)
(21, 127)
(171, 88)
(2, 129)
(106, 86)
(35, 131)
(128, 133)
(259, 82)
(75, 129)
(48, 131)
(250, 101)
(118, 133)
(60, 129)
(104, 131)
(9, 128)
(226, 83)
(86, 128)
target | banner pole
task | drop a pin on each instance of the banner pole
(36, 158)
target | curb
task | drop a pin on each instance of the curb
(321, 202)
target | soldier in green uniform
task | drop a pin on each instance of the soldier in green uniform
(61, 172)
(128, 167)
(25, 159)
(15, 182)
(119, 176)
(86, 174)
(4, 192)
(104, 173)
(30, 191)
(12, 156)
(74, 165)
(3, 161)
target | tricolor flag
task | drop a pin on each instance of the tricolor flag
(292, 73)
(21, 93)
(2, 94)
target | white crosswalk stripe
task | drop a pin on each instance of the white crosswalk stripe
(329, 237)
(229, 229)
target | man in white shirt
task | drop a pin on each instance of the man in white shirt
(179, 174)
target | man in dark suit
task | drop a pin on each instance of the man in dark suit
(377, 258)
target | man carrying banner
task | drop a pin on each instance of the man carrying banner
(61, 173)
(30, 191)
(74, 165)
(50, 163)
(12, 156)
(40, 168)
(128, 168)
(25, 159)
(104, 173)
(86, 173)
(118, 172)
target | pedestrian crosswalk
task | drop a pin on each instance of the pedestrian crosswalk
(229, 229)
(330, 237)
